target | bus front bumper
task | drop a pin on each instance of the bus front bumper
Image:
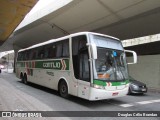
(100, 94)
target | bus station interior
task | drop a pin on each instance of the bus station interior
(123, 19)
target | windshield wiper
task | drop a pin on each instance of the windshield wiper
(118, 68)
(121, 72)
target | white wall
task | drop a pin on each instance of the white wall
(147, 70)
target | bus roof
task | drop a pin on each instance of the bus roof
(81, 33)
(65, 37)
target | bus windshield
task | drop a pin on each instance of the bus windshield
(110, 65)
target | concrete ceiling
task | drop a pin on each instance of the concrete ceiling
(12, 13)
(120, 18)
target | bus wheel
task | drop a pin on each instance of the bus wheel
(25, 79)
(63, 89)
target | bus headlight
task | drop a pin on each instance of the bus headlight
(98, 86)
(127, 85)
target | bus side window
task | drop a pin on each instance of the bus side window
(28, 54)
(34, 55)
(19, 56)
(46, 51)
(40, 52)
(84, 65)
(22, 56)
(59, 49)
(82, 44)
(52, 51)
(78, 43)
(65, 48)
(31, 54)
(25, 55)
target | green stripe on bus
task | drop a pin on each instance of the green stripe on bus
(119, 83)
(61, 64)
(99, 82)
(103, 83)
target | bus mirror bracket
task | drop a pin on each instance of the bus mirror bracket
(134, 56)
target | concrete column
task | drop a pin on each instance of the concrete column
(16, 49)
(15, 59)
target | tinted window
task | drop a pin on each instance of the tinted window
(58, 49)
(78, 43)
(84, 65)
(65, 48)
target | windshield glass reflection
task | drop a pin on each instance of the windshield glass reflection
(110, 65)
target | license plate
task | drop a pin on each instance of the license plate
(115, 94)
(143, 89)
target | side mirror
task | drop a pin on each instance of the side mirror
(93, 50)
(134, 56)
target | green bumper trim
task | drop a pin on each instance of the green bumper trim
(104, 83)
(99, 82)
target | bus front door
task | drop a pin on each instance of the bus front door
(84, 75)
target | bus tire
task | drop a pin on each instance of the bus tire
(25, 79)
(63, 89)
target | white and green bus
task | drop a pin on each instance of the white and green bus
(85, 64)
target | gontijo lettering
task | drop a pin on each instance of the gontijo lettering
(52, 65)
